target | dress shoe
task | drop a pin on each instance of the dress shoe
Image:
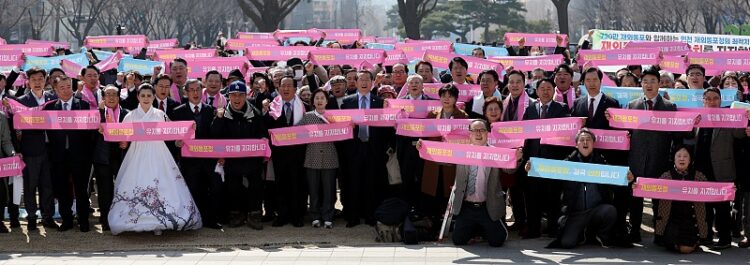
(49, 223)
(745, 243)
(31, 226)
(328, 225)
(721, 245)
(237, 219)
(634, 237)
(66, 225)
(267, 218)
(3, 229)
(14, 223)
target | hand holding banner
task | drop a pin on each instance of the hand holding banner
(605, 139)
(682, 190)
(534, 129)
(234, 148)
(369, 117)
(11, 166)
(579, 172)
(472, 155)
(57, 120)
(148, 131)
(721, 118)
(432, 127)
(541, 40)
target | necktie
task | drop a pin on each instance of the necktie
(544, 111)
(512, 110)
(288, 112)
(650, 104)
(161, 105)
(591, 107)
(211, 101)
(195, 110)
(363, 130)
(67, 142)
(471, 186)
(565, 98)
(65, 106)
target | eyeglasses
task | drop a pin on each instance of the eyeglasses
(695, 74)
(478, 130)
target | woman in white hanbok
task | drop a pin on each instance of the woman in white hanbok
(150, 193)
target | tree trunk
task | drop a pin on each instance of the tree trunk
(562, 14)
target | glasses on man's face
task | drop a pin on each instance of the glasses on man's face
(111, 95)
(399, 72)
(695, 74)
(711, 98)
(478, 130)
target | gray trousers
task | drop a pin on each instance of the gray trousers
(36, 175)
(321, 185)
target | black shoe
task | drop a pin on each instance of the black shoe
(14, 223)
(31, 226)
(214, 225)
(49, 223)
(267, 218)
(279, 222)
(3, 229)
(85, 228)
(66, 225)
(351, 224)
(634, 237)
(721, 245)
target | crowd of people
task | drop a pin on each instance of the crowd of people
(149, 186)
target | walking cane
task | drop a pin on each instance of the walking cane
(447, 217)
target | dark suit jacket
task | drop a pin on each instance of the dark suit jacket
(599, 121)
(169, 108)
(33, 142)
(532, 147)
(108, 153)
(202, 121)
(352, 102)
(131, 102)
(80, 142)
(650, 150)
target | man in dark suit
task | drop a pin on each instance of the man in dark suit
(488, 81)
(36, 174)
(649, 150)
(367, 157)
(410, 163)
(108, 155)
(204, 184)
(593, 107)
(129, 97)
(91, 92)
(291, 196)
(71, 158)
(166, 104)
(542, 195)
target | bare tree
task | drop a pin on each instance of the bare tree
(412, 12)
(10, 16)
(38, 20)
(267, 14)
(79, 16)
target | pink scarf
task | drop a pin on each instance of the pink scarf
(219, 100)
(114, 113)
(523, 100)
(175, 93)
(277, 107)
(88, 95)
(571, 96)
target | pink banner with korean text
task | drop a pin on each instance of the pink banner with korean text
(641, 56)
(369, 117)
(242, 44)
(348, 56)
(281, 53)
(720, 117)
(226, 148)
(36, 49)
(605, 139)
(472, 155)
(56, 44)
(671, 48)
(71, 69)
(115, 41)
(395, 57)
(112, 62)
(476, 65)
(316, 133)
(412, 46)
(154, 45)
(654, 120)
(673, 64)
(682, 190)
(528, 63)
(535, 129)
(312, 34)
(148, 131)
(199, 67)
(465, 91)
(343, 36)
(57, 120)
(432, 127)
(11, 166)
(255, 36)
(541, 40)
(417, 109)
(10, 60)
(716, 62)
(167, 55)
(491, 140)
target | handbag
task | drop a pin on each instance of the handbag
(394, 170)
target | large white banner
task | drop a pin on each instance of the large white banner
(615, 39)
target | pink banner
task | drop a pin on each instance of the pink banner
(10, 59)
(55, 44)
(316, 133)
(255, 36)
(465, 92)
(541, 40)
(654, 120)
(386, 40)
(226, 148)
(716, 62)
(353, 57)
(417, 108)
(535, 129)
(671, 48)
(281, 53)
(369, 117)
(57, 120)
(154, 45)
(476, 65)
(720, 117)
(491, 140)
(673, 64)
(441, 46)
(37, 49)
(432, 127)
(368, 39)
(115, 41)
(681, 190)
(605, 139)
(11, 166)
(199, 67)
(71, 68)
(167, 55)
(242, 44)
(112, 62)
(312, 34)
(148, 131)
(529, 63)
(644, 56)
(16, 106)
(395, 57)
(343, 36)
(473, 155)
